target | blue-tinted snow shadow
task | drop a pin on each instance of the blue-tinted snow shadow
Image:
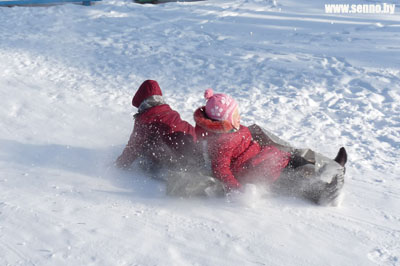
(96, 163)
(63, 157)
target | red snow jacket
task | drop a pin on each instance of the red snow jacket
(159, 133)
(235, 157)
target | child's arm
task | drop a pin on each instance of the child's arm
(131, 151)
(220, 163)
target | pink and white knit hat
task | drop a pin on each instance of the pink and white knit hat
(219, 106)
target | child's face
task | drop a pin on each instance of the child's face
(236, 119)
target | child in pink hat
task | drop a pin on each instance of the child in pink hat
(236, 158)
(230, 147)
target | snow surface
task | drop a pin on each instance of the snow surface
(67, 75)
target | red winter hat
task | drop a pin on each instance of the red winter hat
(147, 89)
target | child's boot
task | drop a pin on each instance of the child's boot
(341, 157)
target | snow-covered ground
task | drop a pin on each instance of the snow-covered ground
(67, 75)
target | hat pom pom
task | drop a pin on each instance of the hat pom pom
(208, 94)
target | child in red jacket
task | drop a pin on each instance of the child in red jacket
(160, 138)
(236, 158)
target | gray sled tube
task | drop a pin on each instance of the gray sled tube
(310, 181)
